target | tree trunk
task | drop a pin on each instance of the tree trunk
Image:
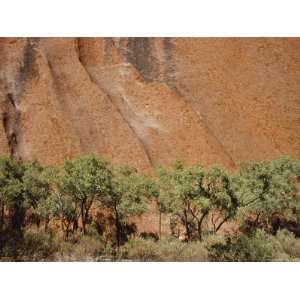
(199, 230)
(63, 228)
(199, 225)
(159, 226)
(17, 219)
(256, 222)
(220, 225)
(67, 230)
(83, 220)
(38, 222)
(86, 213)
(46, 225)
(118, 227)
(2, 217)
(75, 225)
(187, 229)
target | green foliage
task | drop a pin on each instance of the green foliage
(85, 180)
(263, 197)
(35, 245)
(126, 196)
(290, 246)
(54, 202)
(267, 189)
(37, 185)
(257, 247)
(127, 192)
(86, 249)
(170, 249)
(139, 249)
(11, 181)
(38, 181)
(179, 195)
(218, 189)
(191, 194)
(12, 193)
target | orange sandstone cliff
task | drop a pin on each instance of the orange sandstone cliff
(149, 101)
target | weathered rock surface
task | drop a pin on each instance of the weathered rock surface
(148, 101)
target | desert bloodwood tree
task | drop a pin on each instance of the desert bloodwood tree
(159, 191)
(217, 186)
(192, 194)
(267, 189)
(60, 203)
(37, 181)
(127, 196)
(12, 193)
(51, 197)
(180, 194)
(85, 180)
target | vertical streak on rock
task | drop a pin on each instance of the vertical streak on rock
(27, 67)
(169, 67)
(10, 119)
(14, 86)
(139, 53)
(108, 44)
(141, 141)
(27, 71)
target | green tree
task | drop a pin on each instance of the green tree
(218, 188)
(85, 180)
(159, 192)
(37, 182)
(51, 189)
(192, 194)
(127, 195)
(11, 193)
(268, 189)
(60, 203)
(64, 207)
(181, 195)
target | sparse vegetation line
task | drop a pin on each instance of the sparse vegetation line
(83, 210)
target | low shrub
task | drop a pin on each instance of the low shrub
(139, 249)
(171, 249)
(38, 245)
(290, 246)
(257, 247)
(167, 249)
(210, 240)
(87, 248)
(35, 245)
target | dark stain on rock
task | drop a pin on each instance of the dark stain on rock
(10, 119)
(169, 66)
(11, 99)
(27, 69)
(108, 50)
(139, 53)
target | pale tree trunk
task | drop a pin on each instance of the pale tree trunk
(118, 227)
(159, 225)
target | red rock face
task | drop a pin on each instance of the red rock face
(149, 101)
